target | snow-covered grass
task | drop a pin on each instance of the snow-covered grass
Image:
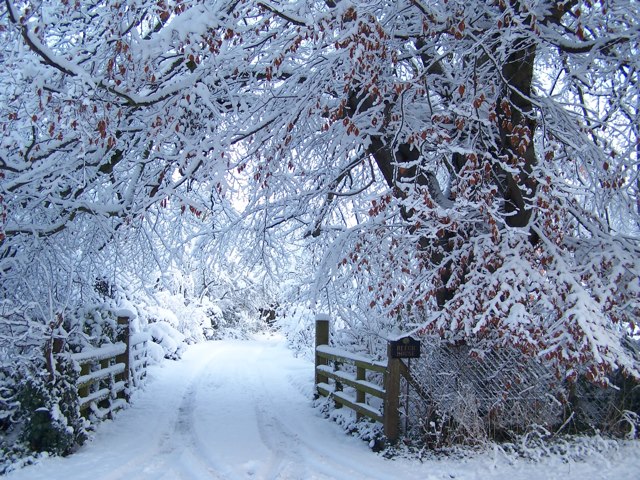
(243, 409)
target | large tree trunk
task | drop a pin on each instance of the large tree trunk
(402, 170)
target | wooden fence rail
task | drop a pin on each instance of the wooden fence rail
(101, 377)
(108, 373)
(329, 380)
(357, 381)
(138, 358)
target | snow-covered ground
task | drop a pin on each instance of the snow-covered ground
(242, 410)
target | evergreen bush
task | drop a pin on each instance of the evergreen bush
(49, 415)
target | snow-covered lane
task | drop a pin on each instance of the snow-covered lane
(242, 410)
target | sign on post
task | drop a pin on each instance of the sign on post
(407, 347)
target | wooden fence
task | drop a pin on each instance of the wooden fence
(108, 373)
(330, 381)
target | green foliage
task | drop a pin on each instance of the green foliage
(100, 324)
(49, 411)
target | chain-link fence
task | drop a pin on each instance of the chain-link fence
(460, 396)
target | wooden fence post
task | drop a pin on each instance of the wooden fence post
(85, 390)
(125, 337)
(391, 419)
(322, 338)
(361, 374)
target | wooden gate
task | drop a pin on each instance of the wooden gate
(330, 380)
(108, 373)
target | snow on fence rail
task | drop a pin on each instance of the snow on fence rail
(108, 373)
(101, 376)
(357, 381)
(138, 357)
(330, 381)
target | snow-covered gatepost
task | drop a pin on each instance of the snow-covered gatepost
(322, 338)
(124, 336)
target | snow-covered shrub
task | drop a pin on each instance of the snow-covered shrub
(170, 339)
(630, 423)
(9, 403)
(99, 324)
(613, 408)
(297, 324)
(188, 319)
(12, 449)
(216, 319)
(538, 443)
(45, 411)
(162, 323)
(229, 320)
(188, 316)
(155, 352)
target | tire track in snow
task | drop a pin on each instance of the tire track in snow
(174, 444)
(288, 427)
(321, 461)
(292, 461)
(284, 458)
(185, 448)
(227, 429)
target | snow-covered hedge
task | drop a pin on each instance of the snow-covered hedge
(40, 410)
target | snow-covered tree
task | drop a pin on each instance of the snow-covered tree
(505, 136)
(467, 168)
